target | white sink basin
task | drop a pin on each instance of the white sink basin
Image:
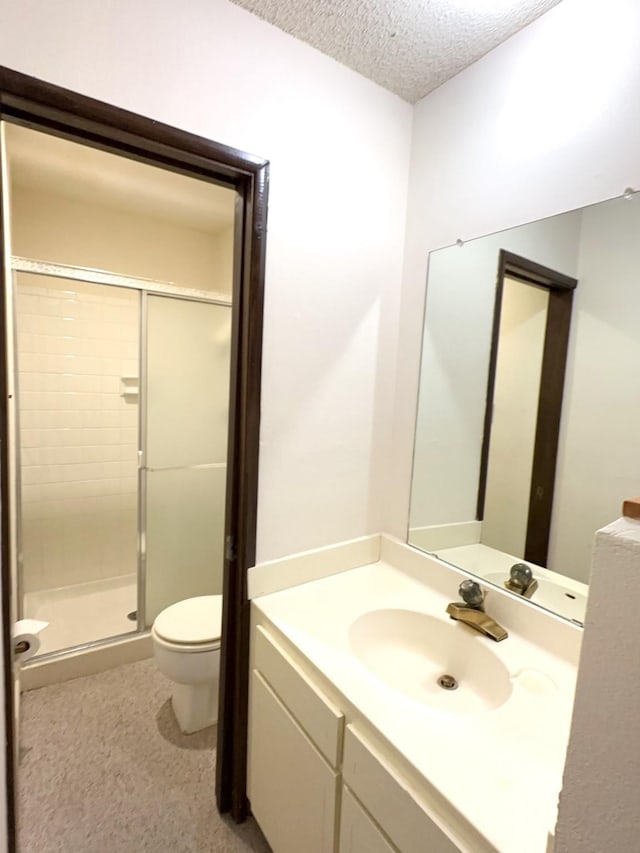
(410, 651)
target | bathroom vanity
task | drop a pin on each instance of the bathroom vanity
(354, 745)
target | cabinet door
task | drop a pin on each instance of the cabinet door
(291, 787)
(409, 821)
(321, 721)
(358, 832)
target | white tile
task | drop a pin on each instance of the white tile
(128, 452)
(28, 382)
(49, 493)
(27, 303)
(31, 456)
(110, 452)
(49, 382)
(54, 473)
(128, 414)
(29, 363)
(110, 384)
(73, 420)
(113, 470)
(28, 342)
(94, 402)
(57, 437)
(31, 494)
(30, 438)
(31, 475)
(129, 501)
(29, 323)
(60, 364)
(111, 402)
(95, 471)
(53, 419)
(110, 436)
(109, 487)
(29, 420)
(70, 438)
(129, 470)
(129, 485)
(52, 455)
(109, 418)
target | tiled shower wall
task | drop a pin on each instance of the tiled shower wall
(78, 433)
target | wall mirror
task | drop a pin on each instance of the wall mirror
(526, 433)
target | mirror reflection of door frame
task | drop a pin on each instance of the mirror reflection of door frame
(43, 106)
(547, 432)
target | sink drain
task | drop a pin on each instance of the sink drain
(133, 616)
(448, 682)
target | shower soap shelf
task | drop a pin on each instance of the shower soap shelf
(130, 387)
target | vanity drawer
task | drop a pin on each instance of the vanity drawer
(321, 720)
(386, 796)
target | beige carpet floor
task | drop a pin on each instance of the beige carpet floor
(105, 768)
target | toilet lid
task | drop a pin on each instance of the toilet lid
(194, 620)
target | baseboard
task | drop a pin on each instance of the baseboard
(87, 661)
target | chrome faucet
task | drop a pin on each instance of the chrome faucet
(521, 580)
(471, 611)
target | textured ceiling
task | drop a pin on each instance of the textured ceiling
(408, 46)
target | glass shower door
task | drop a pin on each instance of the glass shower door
(77, 350)
(185, 447)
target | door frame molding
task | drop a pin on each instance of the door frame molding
(554, 360)
(34, 103)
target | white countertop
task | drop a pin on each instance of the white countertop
(500, 769)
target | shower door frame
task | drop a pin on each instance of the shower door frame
(144, 287)
(42, 106)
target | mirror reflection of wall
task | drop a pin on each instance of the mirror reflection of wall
(523, 320)
(598, 246)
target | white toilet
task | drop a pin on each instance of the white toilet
(186, 646)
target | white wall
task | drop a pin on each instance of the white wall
(599, 449)
(339, 152)
(598, 809)
(51, 227)
(534, 128)
(523, 320)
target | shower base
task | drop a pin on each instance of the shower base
(83, 613)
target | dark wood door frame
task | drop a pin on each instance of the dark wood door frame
(554, 359)
(34, 103)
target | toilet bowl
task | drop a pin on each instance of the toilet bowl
(186, 647)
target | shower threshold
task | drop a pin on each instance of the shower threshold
(83, 613)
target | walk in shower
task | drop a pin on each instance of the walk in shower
(122, 388)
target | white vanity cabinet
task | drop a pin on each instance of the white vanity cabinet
(317, 785)
(401, 812)
(398, 776)
(358, 831)
(295, 746)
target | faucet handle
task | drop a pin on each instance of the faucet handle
(520, 575)
(471, 593)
